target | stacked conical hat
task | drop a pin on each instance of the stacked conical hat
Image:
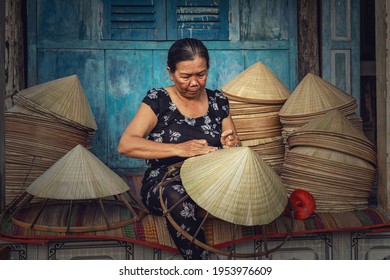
(312, 98)
(243, 108)
(271, 150)
(246, 191)
(337, 181)
(78, 178)
(335, 132)
(47, 121)
(257, 84)
(333, 160)
(33, 143)
(63, 98)
(255, 98)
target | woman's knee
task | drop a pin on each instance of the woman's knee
(173, 193)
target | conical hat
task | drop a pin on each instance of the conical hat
(314, 95)
(78, 175)
(257, 84)
(335, 122)
(334, 158)
(334, 131)
(235, 185)
(63, 98)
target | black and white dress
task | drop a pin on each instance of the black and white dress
(173, 127)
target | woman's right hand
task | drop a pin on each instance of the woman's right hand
(133, 143)
(194, 148)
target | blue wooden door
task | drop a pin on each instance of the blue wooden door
(118, 50)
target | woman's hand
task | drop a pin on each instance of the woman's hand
(194, 148)
(229, 139)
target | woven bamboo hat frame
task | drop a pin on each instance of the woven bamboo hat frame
(244, 192)
(78, 178)
(63, 98)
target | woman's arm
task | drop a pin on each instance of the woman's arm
(133, 142)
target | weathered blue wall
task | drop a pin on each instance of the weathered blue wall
(72, 37)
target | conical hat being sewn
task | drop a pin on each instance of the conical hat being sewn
(79, 174)
(313, 95)
(63, 98)
(257, 84)
(235, 185)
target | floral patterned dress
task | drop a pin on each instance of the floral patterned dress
(173, 127)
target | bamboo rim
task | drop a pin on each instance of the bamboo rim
(18, 208)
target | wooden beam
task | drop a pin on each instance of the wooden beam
(308, 37)
(382, 50)
(2, 104)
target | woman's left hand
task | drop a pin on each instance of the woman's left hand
(229, 139)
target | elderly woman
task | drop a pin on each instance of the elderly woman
(182, 120)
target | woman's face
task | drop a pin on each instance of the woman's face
(190, 77)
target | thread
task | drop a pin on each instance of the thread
(301, 204)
